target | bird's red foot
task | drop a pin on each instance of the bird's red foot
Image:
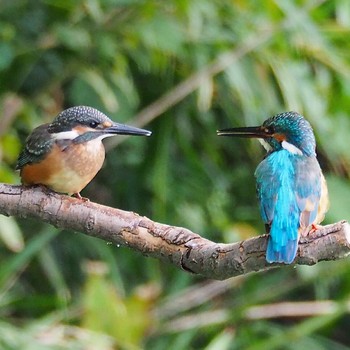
(314, 228)
(77, 195)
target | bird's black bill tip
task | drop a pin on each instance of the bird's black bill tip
(123, 129)
(223, 132)
(249, 132)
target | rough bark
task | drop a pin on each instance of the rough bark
(176, 245)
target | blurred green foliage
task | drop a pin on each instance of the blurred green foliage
(63, 290)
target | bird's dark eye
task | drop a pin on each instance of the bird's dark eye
(93, 124)
(269, 130)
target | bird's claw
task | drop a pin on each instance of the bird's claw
(84, 199)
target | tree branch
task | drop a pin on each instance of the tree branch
(176, 245)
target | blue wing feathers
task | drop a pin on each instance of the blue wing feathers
(287, 186)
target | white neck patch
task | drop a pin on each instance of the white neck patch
(267, 147)
(291, 148)
(66, 135)
(72, 134)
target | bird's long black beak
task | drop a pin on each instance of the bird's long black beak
(249, 132)
(122, 129)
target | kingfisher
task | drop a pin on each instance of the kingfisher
(65, 155)
(291, 188)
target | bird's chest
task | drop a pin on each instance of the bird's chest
(83, 159)
(73, 167)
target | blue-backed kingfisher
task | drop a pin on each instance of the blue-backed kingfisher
(291, 188)
(65, 155)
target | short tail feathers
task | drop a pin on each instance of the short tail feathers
(281, 254)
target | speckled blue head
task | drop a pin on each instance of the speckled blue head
(84, 123)
(293, 128)
(288, 130)
(78, 115)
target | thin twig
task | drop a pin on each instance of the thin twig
(193, 82)
(295, 309)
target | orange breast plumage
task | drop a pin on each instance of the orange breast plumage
(68, 169)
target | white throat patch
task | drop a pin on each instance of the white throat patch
(66, 135)
(291, 148)
(72, 134)
(267, 147)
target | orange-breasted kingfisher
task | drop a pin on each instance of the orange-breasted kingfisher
(291, 188)
(65, 155)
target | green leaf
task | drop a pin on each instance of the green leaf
(11, 234)
(74, 38)
(17, 262)
(339, 192)
(6, 55)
